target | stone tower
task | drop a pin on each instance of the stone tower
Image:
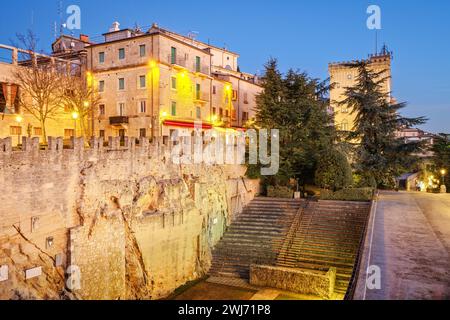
(343, 75)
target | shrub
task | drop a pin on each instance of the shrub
(333, 171)
(351, 194)
(280, 192)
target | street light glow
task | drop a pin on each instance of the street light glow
(19, 119)
(75, 115)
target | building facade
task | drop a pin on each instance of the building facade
(156, 82)
(344, 75)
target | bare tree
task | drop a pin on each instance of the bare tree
(81, 98)
(41, 84)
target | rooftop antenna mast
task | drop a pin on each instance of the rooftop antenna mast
(376, 42)
(60, 13)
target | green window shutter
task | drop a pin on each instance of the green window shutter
(197, 64)
(174, 109)
(198, 91)
(173, 58)
(142, 81)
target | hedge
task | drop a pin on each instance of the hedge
(280, 192)
(351, 194)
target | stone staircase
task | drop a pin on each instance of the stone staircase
(252, 237)
(294, 234)
(328, 235)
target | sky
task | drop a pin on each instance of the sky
(304, 35)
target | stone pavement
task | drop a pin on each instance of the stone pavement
(410, 244)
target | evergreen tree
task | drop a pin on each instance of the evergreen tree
(441, 158)
(333, 171)
(380, 155)
(294, 104)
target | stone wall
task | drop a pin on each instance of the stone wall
(295, 280)
(109, 222)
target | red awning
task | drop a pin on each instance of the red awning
(186, 124)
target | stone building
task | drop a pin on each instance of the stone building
(344, 75)
(152, 83)
(19, 123)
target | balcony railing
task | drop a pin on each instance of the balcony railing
(176, 61)
(201, 69)
(201, 96)
(119, 120)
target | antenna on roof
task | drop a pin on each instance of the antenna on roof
(60, 13)
(193, 34)
(376, 42)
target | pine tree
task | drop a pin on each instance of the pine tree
(380, 155)
(294, 104)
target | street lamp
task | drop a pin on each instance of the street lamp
(443, 173)
(19, 120)
(75, 116)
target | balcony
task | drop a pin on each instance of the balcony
(201, 97)
(177, 61)
(119, 120)
(201, 70)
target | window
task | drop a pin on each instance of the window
(174, 83)
(121, 83)
(38, 131)
(15, 131)
(198, 88)
(227, 113)
(173, 55)
(221, 113)
(349, 77)
(121, 110)
(245, 98)
(198, 61)
(142, 50)
(101, 57)
(143, 106)
(244, 116)
(199, 113)
(174, 109)
(344, 125)
(101, 86)
(143, 133)
(235, 95)
(214, 90)
(101, 133)
(69, 133)
(101, 109)
(214, 110)
(344, 109)
(121, 53)
(142, 82)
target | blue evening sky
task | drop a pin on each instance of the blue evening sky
(301, 34)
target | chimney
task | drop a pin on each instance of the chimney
(84, 38)
(115, 27)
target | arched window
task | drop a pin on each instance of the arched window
(344, 125)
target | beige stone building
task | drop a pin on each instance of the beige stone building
(19, 123)
(343, 75)
(152, 83)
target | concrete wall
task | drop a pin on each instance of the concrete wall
(295, 280)
(132, 223)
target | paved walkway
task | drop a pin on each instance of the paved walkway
(411, 245)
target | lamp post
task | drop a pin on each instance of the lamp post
(75, 116)
(19, 120)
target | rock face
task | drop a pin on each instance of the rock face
(110, 223)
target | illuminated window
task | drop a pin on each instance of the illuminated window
(142, 82)
(142, 50)
(121, 83)
(121, 53)
(15, 131)
(69, 133)
(101, 57)
(344, 109)
(101, 86)
(38, 131)
(344, 125)
(174, 109)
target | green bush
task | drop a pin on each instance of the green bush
(333, 171)
(352, 194)
(280, 192)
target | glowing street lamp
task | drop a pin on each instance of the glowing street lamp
(443, 173)
(75, 116)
